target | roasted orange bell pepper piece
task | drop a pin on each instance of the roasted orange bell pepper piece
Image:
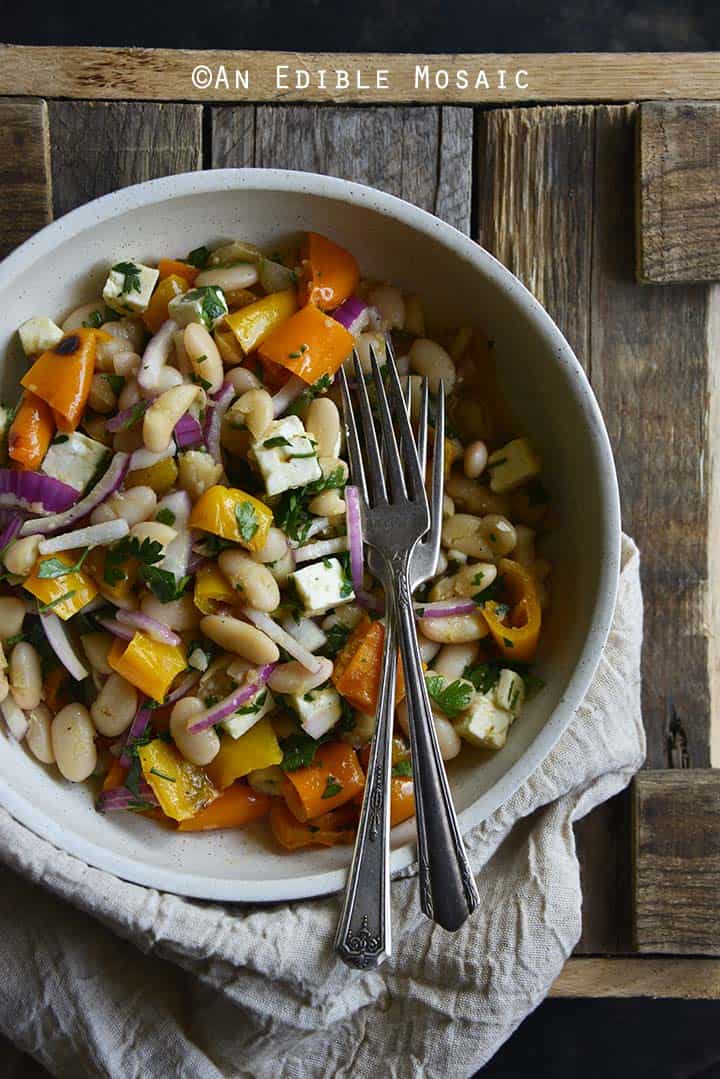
(181, 788)
(402, 799)
(325, 831)
(254, 323)
(309, 344)
(329, 273)
(257, 748)
(333, 778)
(176, 268)
(62, 376)
(356, 675)
(234, 515)
(518, 637)
(236, 806)
(115, 776)
(156, 311)
(64, 595)
(30, 432)
(56, 689)
(150, 665)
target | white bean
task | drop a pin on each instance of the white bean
(130, 331)
(414, 316)
(364, 342)
(448, 738)
(180, 615)
(322, 422)
(349, 616)
(430, 359)
(101, 397)
(135, 505)
(327, 504)
(452, 659)
(162, 415)
(197, 471)
(294, 678)
(428, 649)
(126, 364)
(524, 551)
(230, 278)
(282, 569)
(242, 380)
(96, 647)
(240, 638)
(472, 497)
(73, 742)
(25, 675)
(498, 533)
(391, 305)
(116, 704)
(448, 506)
(254, 582)
(255, 410)
(94, 427)
(475, 459)
(81, 314)
(274, 547)
(38, 735)
(21, 556)
(12, 613)
(167, 379)
(129, 394)
(201, 747)
(469, 580)
(154, 531)
(204, 357)
(464, 532)
(456, 629)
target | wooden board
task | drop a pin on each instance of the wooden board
(365, 78)
(678, 220)
(422, 154)
(25, 205)
(676, 979)
(125, 142)
(677, 862)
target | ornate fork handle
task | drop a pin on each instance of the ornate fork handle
(363, 934)
(448, 893)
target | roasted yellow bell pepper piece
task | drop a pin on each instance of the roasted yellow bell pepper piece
(157, 310)
(181, 788)
(161, 476)
(257, 748)
(149, 665)
(517, 638)
(252, 324)
(119, 589)
(77, 588)
(230, 513)
(212, 589)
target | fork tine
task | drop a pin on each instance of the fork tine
(372, 449)
(357, 471)
(393, 468)
(432, 539)
(413, 472)
(422, 434)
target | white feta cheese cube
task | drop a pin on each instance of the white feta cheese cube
(129, 287)
(74, 459)
(38, 335)
(484, 724)
(286, 456)
(513, 465)
(305, 632)
(318, 711)
(248, 714)
(510, 691)
(205, 305)
(321, 586)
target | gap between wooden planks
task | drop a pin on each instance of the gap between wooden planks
(167, 75)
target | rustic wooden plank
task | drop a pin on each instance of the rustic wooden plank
(421, 154)
(678, 182)
(675, 979)
(25, 205)
(367, 78)
(118, 144)
(649, 365)
(677, 861)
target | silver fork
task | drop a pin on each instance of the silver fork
(396, 515)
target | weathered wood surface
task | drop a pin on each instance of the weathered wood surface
(678, 163)
(98, 147)
(25, 202)
(677, 862)
(676, 979)
(422, 154)
(167, 75)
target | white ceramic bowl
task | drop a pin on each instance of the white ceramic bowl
(461, 284)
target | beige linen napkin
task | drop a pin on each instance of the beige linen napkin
(105, 978)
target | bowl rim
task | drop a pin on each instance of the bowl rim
(149, 192)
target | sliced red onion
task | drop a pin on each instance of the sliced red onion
(355, 536)
(276, 633)
(287, 394)
(214, 417)
(353, 314)
(14, 717)
(184, 688)
(156, 355)
(143, 458)
(93, 536)
(148, 625)
(34, 491)
(62, 646)
(120, 421)
(188, 432)
(105, 486)
(321, 549)
(231, 703)
(121, 798)
(445, 608)
(135, 731)
(10, 531)
(115, 628)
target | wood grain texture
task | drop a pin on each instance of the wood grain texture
(99, 147)
(677, 861)
(672, 979)
(166, 75)
(678, 182)
(422, 154)
(25, 205)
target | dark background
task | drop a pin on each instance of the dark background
(594, 1039)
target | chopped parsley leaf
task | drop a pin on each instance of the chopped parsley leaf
(299, 750)
(246, 520)
(162, 583)
(165, 516)
(43, 607)
(52, 567)
(131, 276)
(451, 699)
(116, 382)
(337, 637)
(307, 395)
(94, 321)
(402, 768)
(162, 775)
(278, 440)
(332, 787)
(198, 257)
